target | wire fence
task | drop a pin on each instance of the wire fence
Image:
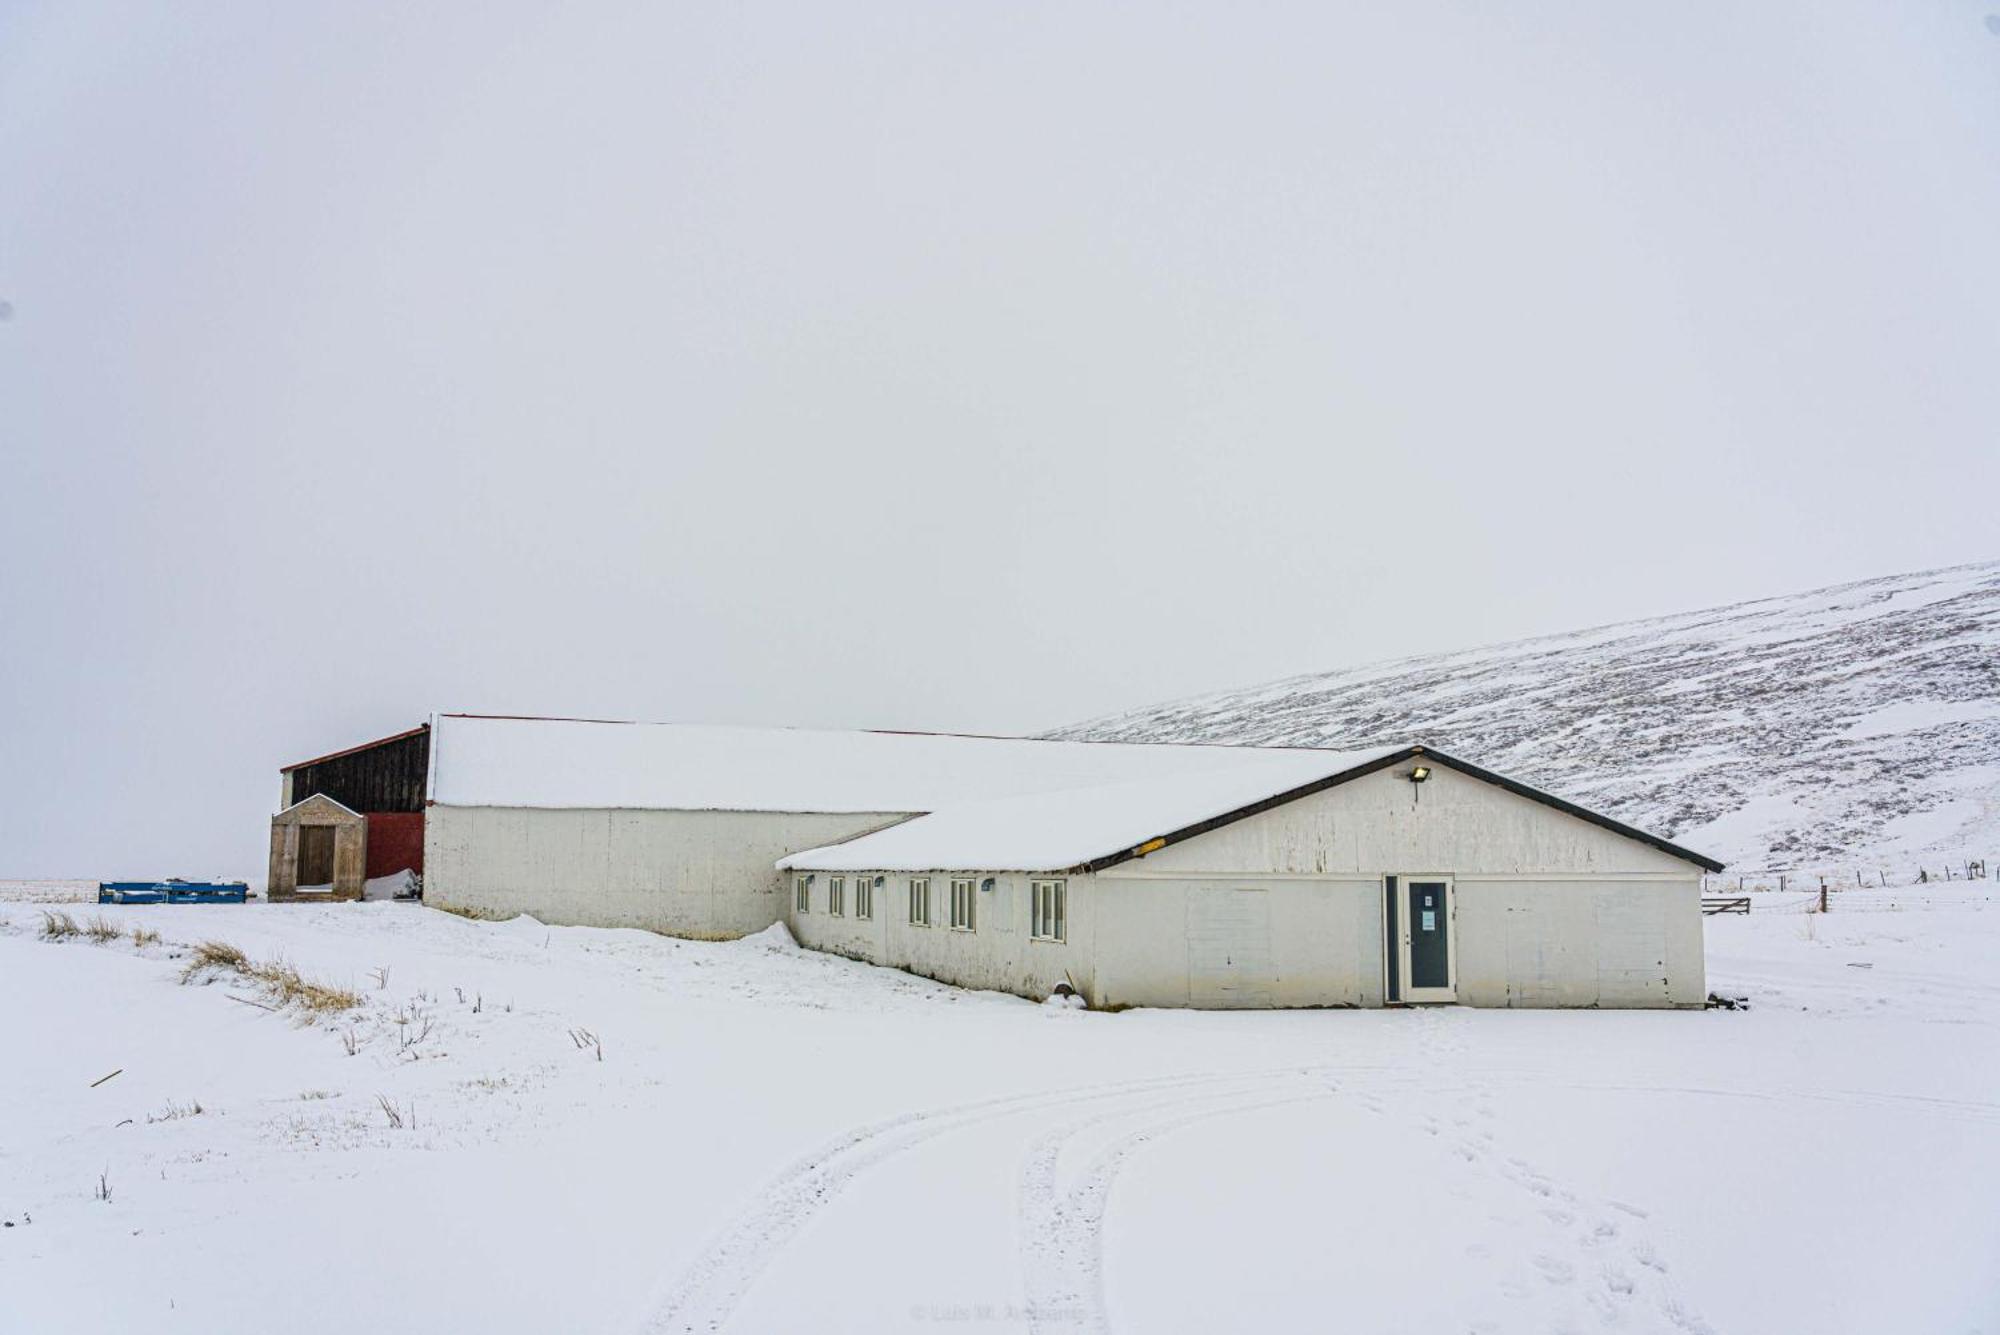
(1967, 870)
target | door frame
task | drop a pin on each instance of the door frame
(1423, 995)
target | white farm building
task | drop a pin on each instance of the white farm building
(1131, 874)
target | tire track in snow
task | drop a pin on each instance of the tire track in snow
(716, 1281)
(1970, 1110)
(1062, 1233)
(1604, 1261)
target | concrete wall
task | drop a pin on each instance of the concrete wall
(708, 875)
(1384, 823)
(1281, 909)
(1221, 942)
(1286, 908)
(998, 954)
(1238, 942)
(1586, 942)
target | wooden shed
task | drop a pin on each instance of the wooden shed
(319, 850)
(384, 781)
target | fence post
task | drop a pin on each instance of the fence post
(1822, 894)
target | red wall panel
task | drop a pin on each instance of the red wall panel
(395, 842)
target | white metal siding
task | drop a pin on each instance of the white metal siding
(1229, 947)
(1238, 942)
(1384, 823)
(1597, 942)
(998, 955)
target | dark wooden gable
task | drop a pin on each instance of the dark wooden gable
(388, 775)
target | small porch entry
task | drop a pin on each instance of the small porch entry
(319, 850)
(1421, 942)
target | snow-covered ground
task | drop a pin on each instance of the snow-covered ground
(771, 1140)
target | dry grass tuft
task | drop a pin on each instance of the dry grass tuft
(145, 936)
(58, 926)
(173, 1112)
(288, 987)
(102, 930)
(217, 957)
(282, 982)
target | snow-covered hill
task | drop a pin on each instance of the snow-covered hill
(1850, 727)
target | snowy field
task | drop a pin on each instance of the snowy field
(765, 1140)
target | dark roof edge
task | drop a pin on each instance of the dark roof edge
(1464, 767)
(1520, 789)
(365, 746)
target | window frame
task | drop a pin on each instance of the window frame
(920, 901)
(864, 898)
(836, 896)
(965, 891)
(802, 894)
(1048, 911)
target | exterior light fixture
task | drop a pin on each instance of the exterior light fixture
(986, 886)
(879, 881)
(1420, 773)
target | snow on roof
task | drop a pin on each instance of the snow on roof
(1055, 831)
(321, 798)
(523, 762)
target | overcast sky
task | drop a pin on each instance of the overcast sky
(976, 367)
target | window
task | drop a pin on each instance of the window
(1047, 920)
(836, 895)
(920, 901)
(864, 896)
(802, 893)
(963, 911)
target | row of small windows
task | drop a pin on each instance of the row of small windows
(1048, 918)
(836, 896)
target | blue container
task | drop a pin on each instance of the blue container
(172, 892)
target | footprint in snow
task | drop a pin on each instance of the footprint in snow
(1607, 1310)
(1554, 1269)
(1643, 1253)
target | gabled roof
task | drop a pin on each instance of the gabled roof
(325, 801)
(1089, 829)
(485, 761)
(348, 751)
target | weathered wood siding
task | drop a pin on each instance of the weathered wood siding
(389, 776)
